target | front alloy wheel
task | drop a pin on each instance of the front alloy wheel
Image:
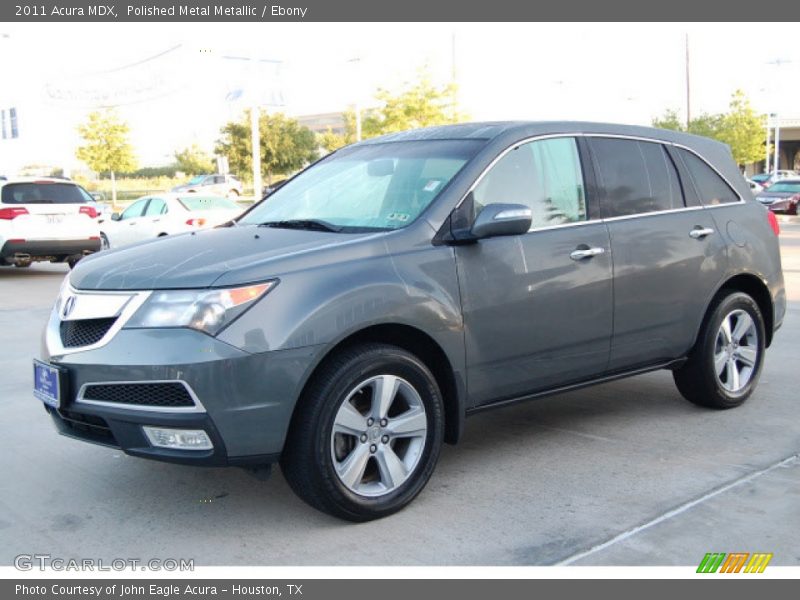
(366, 435)
(378, 435)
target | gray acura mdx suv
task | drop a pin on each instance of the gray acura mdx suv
(346, 325)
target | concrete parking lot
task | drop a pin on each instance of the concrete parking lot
(627, 473)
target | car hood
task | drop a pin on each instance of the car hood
(219, 257)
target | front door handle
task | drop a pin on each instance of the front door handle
(581, 253)
(700, 232)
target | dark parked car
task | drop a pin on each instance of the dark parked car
(782, 196)
(346, 326)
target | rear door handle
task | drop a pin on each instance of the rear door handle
(581, 253)
(700, 232)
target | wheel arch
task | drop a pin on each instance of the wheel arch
(424, 347)
(753, 286)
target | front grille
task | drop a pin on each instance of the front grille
(169, 394)
(87, 425)
(84, 332)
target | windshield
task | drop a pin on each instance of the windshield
(196, 179)
(785, 187)
(44, 193)
(194, 203)
(760, 178)
(374, 187)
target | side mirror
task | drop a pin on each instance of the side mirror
(502, 219)
(116, 216)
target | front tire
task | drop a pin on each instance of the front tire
(724, 366)
(367, 433)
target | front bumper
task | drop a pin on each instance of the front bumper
(244, 401)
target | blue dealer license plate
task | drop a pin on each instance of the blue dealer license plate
(47, 382)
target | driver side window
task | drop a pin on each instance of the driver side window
(544, 175)
(135, 210)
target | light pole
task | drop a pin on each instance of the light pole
(777, 160)
(778, 62)
(357, 104)
(255, 88)
(766, 146)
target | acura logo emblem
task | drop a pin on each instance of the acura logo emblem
(69, 306)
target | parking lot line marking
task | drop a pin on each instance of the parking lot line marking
(676, 511)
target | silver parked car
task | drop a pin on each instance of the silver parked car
(346, 326)
(212, 185)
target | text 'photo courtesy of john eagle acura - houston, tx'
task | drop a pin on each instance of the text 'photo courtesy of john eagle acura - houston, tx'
(347, 324)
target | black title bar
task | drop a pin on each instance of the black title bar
(407, 10)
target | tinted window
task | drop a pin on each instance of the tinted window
(135, 210)
(638, 177)
(44, 193)
(711, 187)
(544, 175)
(156, 207)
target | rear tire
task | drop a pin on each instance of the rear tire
(366, 434)
(104, 243)
(724, 366)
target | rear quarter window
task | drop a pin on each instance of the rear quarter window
(711, 188)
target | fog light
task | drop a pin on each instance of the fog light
(178, 439)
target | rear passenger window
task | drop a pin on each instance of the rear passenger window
(710, 186)
(544, 175)
(638, 177)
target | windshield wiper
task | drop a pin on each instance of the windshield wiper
(313, 224)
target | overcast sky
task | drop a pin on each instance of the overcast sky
(621, 73)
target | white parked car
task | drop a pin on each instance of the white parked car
(46, 219)
(165, 214)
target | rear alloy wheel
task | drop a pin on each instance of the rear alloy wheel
(724, 367)
(367, 434)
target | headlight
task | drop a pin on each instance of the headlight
(204, 310)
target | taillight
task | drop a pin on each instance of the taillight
(7, 214)
(773, 222)
(88, 210)
(199, 222)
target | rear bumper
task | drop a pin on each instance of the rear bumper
(40, 249)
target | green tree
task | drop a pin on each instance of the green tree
(419, 104)
(741, 128)
(107, 148)
(331, 141)
(669, 120)
(193, 160)
(286, 146)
